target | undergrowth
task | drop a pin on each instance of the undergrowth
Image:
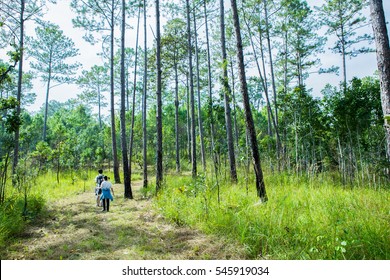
(18, 210)
(303, 218)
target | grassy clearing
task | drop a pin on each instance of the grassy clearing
(73, 228)
(303, 219)
(42, 190)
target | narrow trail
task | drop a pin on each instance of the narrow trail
(76, 229)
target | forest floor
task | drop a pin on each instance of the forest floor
(76, 229)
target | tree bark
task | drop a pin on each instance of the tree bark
(383, 61)
(126, 172)
(133, 101)
(200, 122)
(144, 96)
(46, 105)
(188, 119)
(210, 89)
(159, 150)
(192, 101)
(113, 129)
(260, 186)
(227, 94)
(19, 93)
(177, 117)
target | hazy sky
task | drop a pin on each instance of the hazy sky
(363, 65)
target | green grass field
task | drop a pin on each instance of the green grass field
(303, 219)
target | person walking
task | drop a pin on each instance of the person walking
(107, 194)
(98, 191)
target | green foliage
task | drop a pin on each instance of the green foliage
(343, 18)
(8, 109)
(50, 50)
(15, 216)
(303, 219)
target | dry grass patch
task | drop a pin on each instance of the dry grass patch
(74, 228)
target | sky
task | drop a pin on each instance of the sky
(361, 66)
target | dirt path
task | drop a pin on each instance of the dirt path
(76, 229)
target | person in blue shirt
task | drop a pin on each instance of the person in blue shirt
(107, 194)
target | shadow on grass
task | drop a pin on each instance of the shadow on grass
(80, 231)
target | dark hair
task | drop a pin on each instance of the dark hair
(105, 178)
(100, 171)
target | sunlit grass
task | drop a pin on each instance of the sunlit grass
(303, 219)
(45, 188)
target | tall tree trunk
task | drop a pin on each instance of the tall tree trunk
(200, 122)
(159, 151)
(234, 107)
(113, 129)
(227, 94)
(383, 61)
(126, 172)
(271, 60)
(19, 93)
(192, 101)
(343, 55)
(144, 96)
(210, 89)
(177, 117)
(99, 107)
(272, 79)
(189, 146)
(133, 101)
(260, 186)
(46, 105)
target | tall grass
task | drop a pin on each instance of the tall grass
(303, 219)
(44, 188)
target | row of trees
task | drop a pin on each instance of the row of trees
(196, 101)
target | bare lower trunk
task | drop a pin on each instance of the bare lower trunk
(19, 93)
(133, 101)
(192, 101)
(112, 93)
(125, 160)
(383, 60)
(227, 94)
(200, 122)
(260, 185)
(159, 150)
(144, 96)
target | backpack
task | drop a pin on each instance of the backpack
(99, 179)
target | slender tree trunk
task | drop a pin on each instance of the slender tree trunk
(383, 61)
(260, 186)
(227, 94)
(188, 119)
(210, 89)
(200, 122)
(19, 93)
(272, 79)
(177, 117)
(46, 105)
(99, 107)
(234, 107)
(193, 135)
(113, 129)
(144, 96)
(343, 55)
(133, 101)
(126, 172)
(271, 60)
(159, 151)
